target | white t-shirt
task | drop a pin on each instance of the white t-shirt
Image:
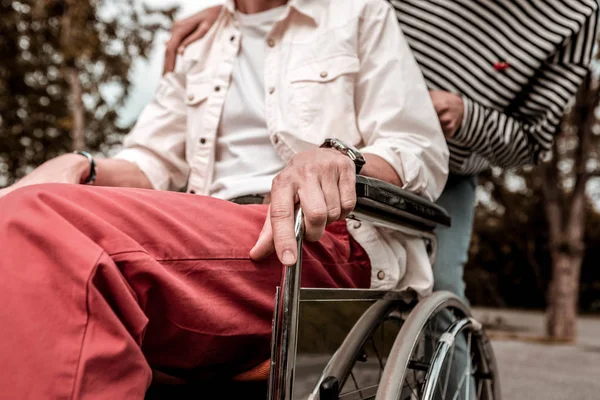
(245, 161)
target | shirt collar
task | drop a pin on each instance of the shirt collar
(310, 8)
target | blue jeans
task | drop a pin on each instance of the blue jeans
(458, 199)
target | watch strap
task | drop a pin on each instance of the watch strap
(346, 150)
(91, 178)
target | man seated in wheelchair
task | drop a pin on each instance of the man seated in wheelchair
(103, 280)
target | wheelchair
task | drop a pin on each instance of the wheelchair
(436, 349)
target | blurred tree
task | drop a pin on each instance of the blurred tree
(537, 231)
(65, 72)
(508, 260)
(564, 180)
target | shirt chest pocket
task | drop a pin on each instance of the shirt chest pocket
(322, 91)
(198, 126)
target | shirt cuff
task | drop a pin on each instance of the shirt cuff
(408, 167)
(469, 122)
(148, 164)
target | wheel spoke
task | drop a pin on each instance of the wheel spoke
(358, 390)
(468, 371)
(466, 375)
(418, 358)
(448, 369)
(462, 379)
(377, 354)
(413, 389)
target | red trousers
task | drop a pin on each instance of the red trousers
(100, 285)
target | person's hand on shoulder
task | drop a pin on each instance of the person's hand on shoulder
(187, 31)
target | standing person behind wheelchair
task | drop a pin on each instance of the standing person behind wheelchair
(100, 285)
(500, 75)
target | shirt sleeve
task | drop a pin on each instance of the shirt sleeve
(396, 117)
(519, 135)
(157, 142)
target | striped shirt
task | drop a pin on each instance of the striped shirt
(512, 110)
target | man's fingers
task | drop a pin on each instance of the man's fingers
(180, 31)
(312, 201)
(331, 192)
(282, 218)
(325, 188)
(264, 245)
(177, 44)
(196, 35)
(347, 189)
(170, 56)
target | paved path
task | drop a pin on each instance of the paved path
(532, 371)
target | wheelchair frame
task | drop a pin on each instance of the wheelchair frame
(287, 303)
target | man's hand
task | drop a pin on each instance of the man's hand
(450, 110)
(187, 31)
(68, 168)
(322, 182)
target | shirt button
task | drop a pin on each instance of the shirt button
(324, 74)
(271, 90)
(276, 139)
(202, 140)
(232, 38)
(356, 225)
(271, 42)
(191, 97)
(380, 275)
(217, 88)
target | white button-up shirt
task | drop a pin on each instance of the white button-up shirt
(337, 68)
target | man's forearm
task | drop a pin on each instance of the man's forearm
(112, 172)
(377, 167)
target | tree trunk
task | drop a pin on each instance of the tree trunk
(566, 215)
(72, 15)
(76, 108)
(563, 297)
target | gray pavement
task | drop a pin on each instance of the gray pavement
(532, 370)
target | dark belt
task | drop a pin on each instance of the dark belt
(250, 199)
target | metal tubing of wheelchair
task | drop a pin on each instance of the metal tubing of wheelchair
(285, 329)
(439, 356)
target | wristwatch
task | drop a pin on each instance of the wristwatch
(92, 176)
(348, 150)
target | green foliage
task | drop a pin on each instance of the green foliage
(102, 42)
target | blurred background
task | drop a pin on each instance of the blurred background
(74, 74)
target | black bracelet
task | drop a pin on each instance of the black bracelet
(92, 176)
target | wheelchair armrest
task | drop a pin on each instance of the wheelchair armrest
(389, 202)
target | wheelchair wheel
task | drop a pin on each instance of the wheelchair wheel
(356, 368)
(440, 353)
